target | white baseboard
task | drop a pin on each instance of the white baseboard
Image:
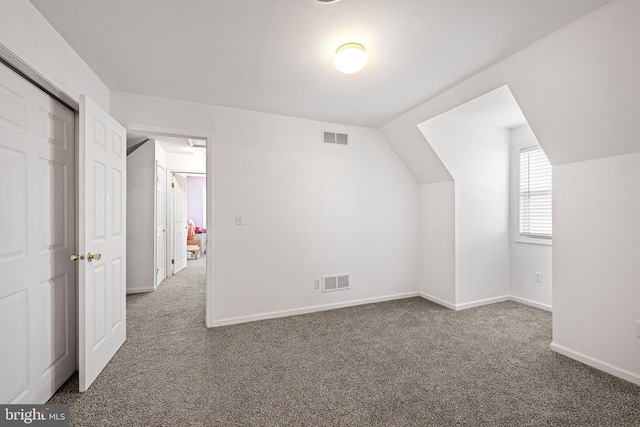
(438, 301)
(324, 307)
(481, 302)
(596, 363)
(487, 301)
(466, 305)
(532, 303)
(311, 309)
(139, 290)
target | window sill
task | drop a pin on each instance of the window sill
(532, 241)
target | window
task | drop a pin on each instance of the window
(535, 194)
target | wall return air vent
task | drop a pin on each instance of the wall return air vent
(337, 282)
(335, 138)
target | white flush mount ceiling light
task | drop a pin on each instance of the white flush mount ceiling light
(350, 58)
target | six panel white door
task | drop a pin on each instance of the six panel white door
(102, 224)
(37, 277)
(180, 225)
(161, 223)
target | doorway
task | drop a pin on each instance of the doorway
(163, 235)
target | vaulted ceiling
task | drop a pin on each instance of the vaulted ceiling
(276, 55)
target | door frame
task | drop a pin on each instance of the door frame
(160, 131)
(13, 61)
(156, 216)
(27, 71)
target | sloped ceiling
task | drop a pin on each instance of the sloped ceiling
(579, 90)
(276, 56)
(496, 109)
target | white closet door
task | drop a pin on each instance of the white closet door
(180, 224)
(37, 277)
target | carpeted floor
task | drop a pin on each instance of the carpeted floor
(402, 363)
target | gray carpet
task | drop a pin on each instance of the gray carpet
(400, 363)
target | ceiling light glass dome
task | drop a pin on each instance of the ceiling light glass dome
(350, 58)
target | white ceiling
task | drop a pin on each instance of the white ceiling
(276, 55)
(174, 145)
(168, 144)
(497, 108)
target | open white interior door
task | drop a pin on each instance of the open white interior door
(102, 239)
(180, 224)
(161, 224)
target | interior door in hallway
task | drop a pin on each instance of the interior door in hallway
(37, 229)
(180, 225)
(102, 237)
(161, 223)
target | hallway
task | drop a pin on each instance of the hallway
(165, 332)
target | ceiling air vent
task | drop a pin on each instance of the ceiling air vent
(337, 282)
(335, 138)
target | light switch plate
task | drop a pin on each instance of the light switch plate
(239, 219)
(638, 328)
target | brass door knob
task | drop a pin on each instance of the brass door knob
(91, 257)
(75, 257)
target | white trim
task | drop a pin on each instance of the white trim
(467, 305)
(310, 309)
(16, 63)
(481, 302)
(167, 131)
(597, 364)
(535, 304)
(533, 241)
(438, 301)
(140, 290)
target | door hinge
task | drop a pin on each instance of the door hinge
(173, 185)
(173, 262)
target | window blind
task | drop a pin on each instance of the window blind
(535, 194)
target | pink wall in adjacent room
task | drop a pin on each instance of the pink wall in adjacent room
(194, 198)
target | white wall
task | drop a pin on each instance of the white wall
(596, 271)
(580, 92)
(309, 208)
(25, 32)
(527, 259)
(141, 172)
(186, 163)
(437, 242)
(478, 159)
